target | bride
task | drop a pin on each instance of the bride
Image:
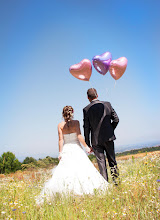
(75, 173)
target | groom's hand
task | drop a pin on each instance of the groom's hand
(91, 150)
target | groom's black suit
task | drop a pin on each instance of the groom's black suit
(100, 119)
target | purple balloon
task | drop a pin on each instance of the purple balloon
(102, 62)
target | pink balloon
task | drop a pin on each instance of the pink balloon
(118, 67)
(82, 70)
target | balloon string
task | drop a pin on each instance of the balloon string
(108, 90)
(90, 84)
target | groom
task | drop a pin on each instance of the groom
(100, 119)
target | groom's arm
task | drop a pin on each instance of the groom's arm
(86, 126)
(114, 117)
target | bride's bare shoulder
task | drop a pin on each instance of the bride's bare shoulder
(61, 124)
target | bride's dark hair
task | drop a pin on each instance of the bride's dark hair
(67, 113)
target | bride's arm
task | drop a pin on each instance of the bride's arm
(60, 142)
(81, 139)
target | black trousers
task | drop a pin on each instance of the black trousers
(108, 148)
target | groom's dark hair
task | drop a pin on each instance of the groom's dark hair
(92, 93)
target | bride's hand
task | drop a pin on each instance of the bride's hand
(59, 156)
(88, 149)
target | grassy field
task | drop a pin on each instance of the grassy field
(136, 197)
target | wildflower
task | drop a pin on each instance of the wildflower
(13, 209)
(158, 180)
(3, 212)
(24, 212)
(83, 211)
(159, 188)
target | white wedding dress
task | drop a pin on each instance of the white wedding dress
(75, 173)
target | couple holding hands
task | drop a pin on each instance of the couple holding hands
(75, 173)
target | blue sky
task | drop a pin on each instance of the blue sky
(40, 40)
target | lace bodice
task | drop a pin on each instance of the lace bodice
(70, 138)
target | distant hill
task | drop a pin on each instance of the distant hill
(141, 150)
(128, 147)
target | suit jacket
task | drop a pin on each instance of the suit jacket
(100, 119)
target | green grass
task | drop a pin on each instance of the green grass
(136, 197)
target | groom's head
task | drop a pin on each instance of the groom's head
(92, 94)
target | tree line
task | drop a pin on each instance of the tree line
(9, 163)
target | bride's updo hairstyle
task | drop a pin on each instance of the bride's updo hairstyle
(67, 113)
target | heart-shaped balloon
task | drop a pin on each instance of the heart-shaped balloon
(118, 67)
(102, 62)
(82, 70)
